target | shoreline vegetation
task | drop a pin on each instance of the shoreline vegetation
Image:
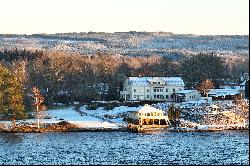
(84, 119)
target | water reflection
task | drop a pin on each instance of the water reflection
(11, 138)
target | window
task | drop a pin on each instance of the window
(152, 114)
(157, 90)
(154, 90)
(194, 96)
(134, 96)
(166, 90)
(147, 90)
(134, 90)
(161, 90)
(154, 96)
(148, 114)
(166, 96)
(159, 83)
(158, 114)
(174, 90)
(148, 96)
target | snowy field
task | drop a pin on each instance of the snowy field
(81, 120)
(91, 118)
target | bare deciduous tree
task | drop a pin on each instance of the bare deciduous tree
(40, 107)
(205, 86)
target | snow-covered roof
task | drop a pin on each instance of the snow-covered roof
(147, 109)
(186, 91)
(148, 80)
(243, 83)
(223, 92)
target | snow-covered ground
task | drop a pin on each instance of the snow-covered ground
(117, 114)
(82, 121)
(101, 118)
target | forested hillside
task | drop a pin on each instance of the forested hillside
(93, 66)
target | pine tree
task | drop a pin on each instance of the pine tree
(11, 95)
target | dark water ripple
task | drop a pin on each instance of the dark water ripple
(227, 147)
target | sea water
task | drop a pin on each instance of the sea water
(112, 148)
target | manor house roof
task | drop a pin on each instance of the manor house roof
(149, 80)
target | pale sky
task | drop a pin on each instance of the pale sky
(205, 17)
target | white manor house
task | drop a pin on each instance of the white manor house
(151, 88)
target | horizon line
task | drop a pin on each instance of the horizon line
(131, 31)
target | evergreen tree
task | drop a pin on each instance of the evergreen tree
(11, 95)
(202, 66)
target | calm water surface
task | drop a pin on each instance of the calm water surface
(227, 147)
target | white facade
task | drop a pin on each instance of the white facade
(151, 88)
(187, 95)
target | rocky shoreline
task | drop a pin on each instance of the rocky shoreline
(73, 128)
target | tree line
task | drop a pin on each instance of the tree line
(67, 77)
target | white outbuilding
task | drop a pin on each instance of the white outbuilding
(187, 95)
